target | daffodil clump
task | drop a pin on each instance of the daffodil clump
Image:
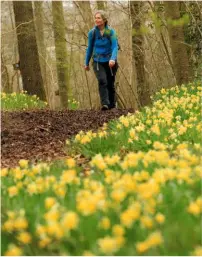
(20, 101)
(142, 202)
(175, 117)
(73, 104)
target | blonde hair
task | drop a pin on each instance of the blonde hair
(103, 15)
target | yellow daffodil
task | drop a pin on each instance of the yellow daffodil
(4, 172)
(23, 163)
(108, 245)
(142, 247)
(71, 163)
(104, 223)
(20, 223)
(49, 202)
(13, 250)
(70, 220)
(118, 230)
(45, 241)
(12, 191)
(24, 237)
(160, 218)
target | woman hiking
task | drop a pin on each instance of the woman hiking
(103, 46)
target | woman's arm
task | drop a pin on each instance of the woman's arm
(114, 43)
(89, 49)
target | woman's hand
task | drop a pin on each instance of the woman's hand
(87, 68)
(111, 63)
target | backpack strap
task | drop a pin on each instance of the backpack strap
(107, 35)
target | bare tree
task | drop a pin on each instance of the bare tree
(5, 77)
(61, 51)
(28, 51)
(38, 14)
(138, 53)
(177, 42)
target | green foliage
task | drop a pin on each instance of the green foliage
(157, 22)
(179, 22)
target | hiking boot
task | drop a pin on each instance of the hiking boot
(113, 106)
(104, 108)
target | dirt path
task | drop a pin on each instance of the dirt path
(41, 134)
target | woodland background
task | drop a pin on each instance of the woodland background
(161, 45)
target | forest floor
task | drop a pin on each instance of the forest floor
(41, 134)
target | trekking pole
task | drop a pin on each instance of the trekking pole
(111, 71)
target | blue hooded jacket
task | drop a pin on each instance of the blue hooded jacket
(102, 49)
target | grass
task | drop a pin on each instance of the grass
(20, 101)
(23, 101)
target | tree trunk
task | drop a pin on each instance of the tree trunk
(18, 79)
(177, 42)
(5, 84)
(28, 51)
(138, 54)
(61, 51)
(38, 14)
(193, 36)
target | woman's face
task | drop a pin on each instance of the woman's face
(98, 19)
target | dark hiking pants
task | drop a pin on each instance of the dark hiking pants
(106, 80)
